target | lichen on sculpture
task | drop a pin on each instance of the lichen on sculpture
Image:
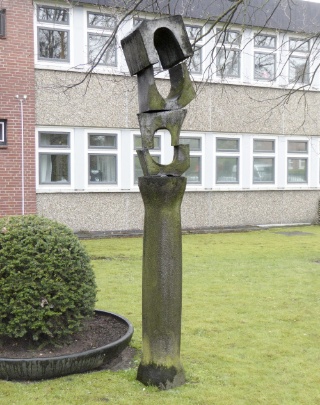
(162, 188)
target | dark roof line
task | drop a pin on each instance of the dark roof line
(287, 15)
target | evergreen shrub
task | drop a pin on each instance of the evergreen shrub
(47, 285)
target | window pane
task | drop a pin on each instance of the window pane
(193, 174)
(196, 61)
(264, 66)
(193, 31)
(137, 167)
(227, 170)
(101, 20)
(2, 23)
(53, 44)
(265, 41)
(226, 145)
(299, 45)
(53, 14)
(195, 143)
(102, 140)
(103, 168)
(54, 168)
(1, 132)
(54, 139)
(228, 62)
(297, 146)
(229, 37)
(263, 145)
(297, 170)
(138, 142)
(298, 70)
(96, 43)
(263, 170)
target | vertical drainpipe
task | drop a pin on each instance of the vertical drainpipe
(21, 100)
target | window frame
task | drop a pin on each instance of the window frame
(54, 26)
(259, 49)
(155, 152)
(198, 47)
(296, 53)
(264, 154)
(105, 32)
(3, 21)
(228, 153)
(298, 156)
(227, 46)
(195, 153)
(55, 150)
(3, 132)
(102, 151)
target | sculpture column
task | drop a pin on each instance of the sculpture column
(162, 189)
(161, 281)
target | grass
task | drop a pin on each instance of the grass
(250, 328)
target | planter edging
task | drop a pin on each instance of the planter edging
(39, 368)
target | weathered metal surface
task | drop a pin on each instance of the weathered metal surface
(150, 123)
(181, 91)
(162, 189)
(165, 39)
(162, 281)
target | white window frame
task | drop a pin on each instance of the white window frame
(55, 187)
(197, 48)
(264, 154)
(3, 20)
(264, 50)
(68, 27)
(153, 152)
(196, 153)
(299, 54)
(237, 47)
(298, 155)
(3, 132)
(104, 32)
(228, 154)
(96, 186)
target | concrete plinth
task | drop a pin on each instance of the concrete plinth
(161, 282)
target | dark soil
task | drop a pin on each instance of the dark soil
(97, 331)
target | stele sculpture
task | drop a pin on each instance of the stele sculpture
(162, 189)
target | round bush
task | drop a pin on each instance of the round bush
(47, 285)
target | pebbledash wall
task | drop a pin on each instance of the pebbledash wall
(17, 192)
(231, 111)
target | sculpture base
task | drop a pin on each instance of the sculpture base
(160, 376)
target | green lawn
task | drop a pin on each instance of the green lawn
(250, 328)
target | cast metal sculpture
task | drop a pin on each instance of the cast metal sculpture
(162, 189)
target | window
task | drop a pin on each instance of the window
(194, 33)
(264, 57)
(263, 161)
(54, 158)
(53, 37)
(297, 161)
(3, 132)
(228, 53)
(2, 23)
(155, 153)
(299, 61)
(193, 174)
(227, 164)
(101, 48)
(102, 158)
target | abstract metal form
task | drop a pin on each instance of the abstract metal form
(162, 189)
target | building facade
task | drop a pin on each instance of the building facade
(17, 109)
(254, 150)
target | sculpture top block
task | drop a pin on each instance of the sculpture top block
(165, 39)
